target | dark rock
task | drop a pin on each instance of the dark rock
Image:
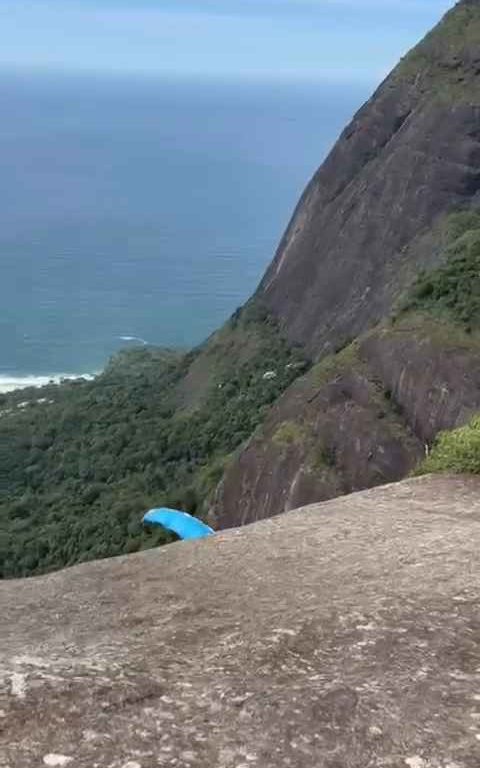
(366, 419)
(411, 154)
(320, 440)
(369, 220)
(435, 382)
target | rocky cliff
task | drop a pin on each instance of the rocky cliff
(389, 205)
(411, 154)
(343, 635)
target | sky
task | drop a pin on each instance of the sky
(329, 40)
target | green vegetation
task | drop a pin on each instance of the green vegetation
(439, 65)
(348, 376)
(336, 364)
(322, 459)
(452, 291)
(82, 461)
(290, 433)
(455, 451)
(444, 304)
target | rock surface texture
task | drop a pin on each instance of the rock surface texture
(411, 154)
(365, 419)
(369, 221)
(342, 635)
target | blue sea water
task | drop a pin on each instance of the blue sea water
(144, 210)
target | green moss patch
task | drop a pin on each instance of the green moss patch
(290, 433)
(440, 65)
(455, 451)
(452, 291)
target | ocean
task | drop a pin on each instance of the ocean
(143, 211)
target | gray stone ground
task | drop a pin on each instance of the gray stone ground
(343, 635)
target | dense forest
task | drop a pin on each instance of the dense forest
(452, 290)
(82, 461)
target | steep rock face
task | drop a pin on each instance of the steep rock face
(375, 214)
(434, 380)
(410, 154)
(332, 432)
(345, 634)
(358, 419)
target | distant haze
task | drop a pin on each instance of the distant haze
(335, 40)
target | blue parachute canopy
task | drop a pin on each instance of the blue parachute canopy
(184, 525)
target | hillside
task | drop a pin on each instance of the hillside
(377, 277)
(81, 462)
(345, 634)
(370, 413)
(358, 349)
(409, 156)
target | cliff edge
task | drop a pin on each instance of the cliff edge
(342, 635)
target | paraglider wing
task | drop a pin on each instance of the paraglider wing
(184, 525)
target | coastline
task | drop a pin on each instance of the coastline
(12, 382)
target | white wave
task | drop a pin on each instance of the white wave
(9, 383)
(132, 338)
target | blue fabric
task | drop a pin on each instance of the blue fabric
(185, 526)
